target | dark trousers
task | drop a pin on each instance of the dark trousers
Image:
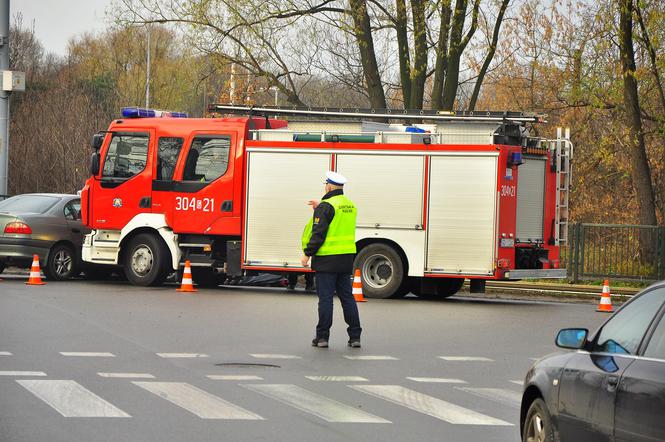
(327, 284)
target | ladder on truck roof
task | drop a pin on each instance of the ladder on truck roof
(392, 114)
(417, 127)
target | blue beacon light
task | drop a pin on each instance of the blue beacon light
(140, 112)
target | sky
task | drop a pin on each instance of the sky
(56, 21)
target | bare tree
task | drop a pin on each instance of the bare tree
(490, 54)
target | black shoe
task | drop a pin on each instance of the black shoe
(320, 342)
(310, 288)
(354, 342)
(291, 287)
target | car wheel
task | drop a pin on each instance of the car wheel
(538, 424)
(146, 260)
(381, 270)
(61, 264)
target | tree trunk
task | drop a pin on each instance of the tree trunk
(419, 71)
(363, 33)
(490, 55)
(652, 56)
(403, 50)
(457, 46)
(441, 54)
(640, 171)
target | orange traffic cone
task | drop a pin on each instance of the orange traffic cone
(358, 288)
(187, 285)
(605, 299)
(35, 273)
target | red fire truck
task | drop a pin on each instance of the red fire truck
(441, 196)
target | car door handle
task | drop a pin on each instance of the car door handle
(612, 383)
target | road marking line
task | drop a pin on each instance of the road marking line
(182, 355)
(233, 377)
(22, 373)
(127, 375)
(309, 402)
(506, 397)
(5, 353)
(89, 354)
(71, 399)
(337, 378)
(429, 405)
(371, 358)
(197, 401)
(466, 359)
(438, 380)
(518, 382)
(273, 356)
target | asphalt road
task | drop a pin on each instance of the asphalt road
(82, 361)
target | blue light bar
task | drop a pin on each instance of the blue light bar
(140, 112)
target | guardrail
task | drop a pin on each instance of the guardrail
(628, 252)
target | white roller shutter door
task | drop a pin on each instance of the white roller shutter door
(462, 214)
(279, 186)
(530, 200)
(387, 190)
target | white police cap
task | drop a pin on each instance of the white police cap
(335, 178)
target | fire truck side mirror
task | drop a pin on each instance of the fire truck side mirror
(94, 163)
(97, 141)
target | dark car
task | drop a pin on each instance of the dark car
(44, 224)
(612, 388)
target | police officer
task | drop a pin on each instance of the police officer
(330, 240)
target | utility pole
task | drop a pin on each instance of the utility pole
(147, 69)
(4, 97)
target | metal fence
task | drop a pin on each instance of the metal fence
(615, 251)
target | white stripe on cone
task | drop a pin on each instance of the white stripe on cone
(605, 300)
(35, 274)
(357, 291)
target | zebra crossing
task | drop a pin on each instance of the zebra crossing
(72, 399)
(423, 395)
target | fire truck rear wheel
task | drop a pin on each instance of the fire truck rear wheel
(381, 270)
(146, 260)
(445, 288)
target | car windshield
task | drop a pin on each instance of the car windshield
(28, 204)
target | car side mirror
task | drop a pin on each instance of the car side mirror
(94, 163)
(97, 141)
(572, 338)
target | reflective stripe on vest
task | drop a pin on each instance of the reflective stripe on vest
(341, 236)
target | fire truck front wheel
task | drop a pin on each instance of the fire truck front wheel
(381, 270)
(146, 260)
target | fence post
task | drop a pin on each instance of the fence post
(661, 252)
(576, 253)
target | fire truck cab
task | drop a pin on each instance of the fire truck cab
(458, 196)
